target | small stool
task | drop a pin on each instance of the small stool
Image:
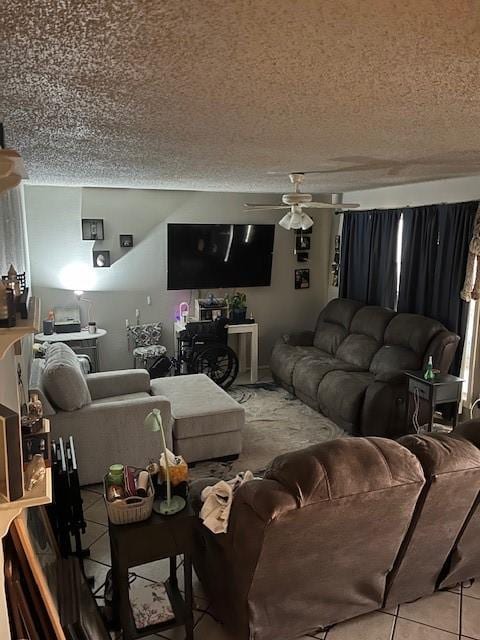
(208, 422)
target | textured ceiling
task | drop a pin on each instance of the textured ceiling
(214, 94)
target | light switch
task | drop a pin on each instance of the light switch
(149, 300)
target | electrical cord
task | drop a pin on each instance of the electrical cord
(418, 427)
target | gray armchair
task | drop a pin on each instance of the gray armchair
(108, 428)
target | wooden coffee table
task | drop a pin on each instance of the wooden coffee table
(154, 539)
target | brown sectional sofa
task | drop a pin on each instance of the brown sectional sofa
(350, 367)
(341, 529)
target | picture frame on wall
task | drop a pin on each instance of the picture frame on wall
(304, 232)
(101, 259)
(92, 229)
(302, 257)
(302, 243)
(126, 240)
(302, 278)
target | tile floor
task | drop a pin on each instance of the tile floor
(449, 615)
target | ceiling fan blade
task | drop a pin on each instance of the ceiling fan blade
(328, 205)
(265, 207)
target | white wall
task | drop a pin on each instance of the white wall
(53, 219)
(435, 192)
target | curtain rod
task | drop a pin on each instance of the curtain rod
(407, 206)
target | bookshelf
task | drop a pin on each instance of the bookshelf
(9, 337)
(42, 493)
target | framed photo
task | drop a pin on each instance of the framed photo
(304, 232)
(92, 229)
(302, 257)
(101, 259)
(302, 278)
(126, 240)
(302, 243)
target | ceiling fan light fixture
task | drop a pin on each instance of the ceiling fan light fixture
(307, 221)
(286, 221)
(295, 220)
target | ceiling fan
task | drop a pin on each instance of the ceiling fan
(296, 218)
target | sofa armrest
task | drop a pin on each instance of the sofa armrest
(113, 432)
(300, 339)
(117, 383)
(442, 348)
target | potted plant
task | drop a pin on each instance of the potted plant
(237, 306)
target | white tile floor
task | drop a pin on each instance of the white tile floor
(448, 615)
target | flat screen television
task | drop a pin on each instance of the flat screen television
(213, 256)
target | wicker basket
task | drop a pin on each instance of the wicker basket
(132, 509)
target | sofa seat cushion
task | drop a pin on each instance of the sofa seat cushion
(310, 371)
(199, 406)
(122, 398)
(341, 395)
(63, 379)
(358, 350)
(285, 357)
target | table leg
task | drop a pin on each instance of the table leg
(96, 359)
(431, 417)
(119, 582)
(242, 352)
(187, 568)
(173, 571)
(455, 415)
(254, 355)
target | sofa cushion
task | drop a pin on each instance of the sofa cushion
(372, 321)
(285, 357)
(122, 398)
(341, 395)
(358, 350)
(334, 323)
(392, 358)
(63, 379)
(310, 370)
(412, 331)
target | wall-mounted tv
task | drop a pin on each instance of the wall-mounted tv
(213, 256)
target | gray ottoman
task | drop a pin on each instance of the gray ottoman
(207, 421)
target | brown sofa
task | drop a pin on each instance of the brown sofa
(338, 530)
(350, 367)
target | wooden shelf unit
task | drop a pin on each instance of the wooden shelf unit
(41, 493)
(9, 336)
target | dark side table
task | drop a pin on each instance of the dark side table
(154, 539)
(444, 389)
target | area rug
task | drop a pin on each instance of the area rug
(275, 422)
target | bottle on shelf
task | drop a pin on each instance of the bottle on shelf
(429, 374)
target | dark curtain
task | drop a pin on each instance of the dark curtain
(367, 265)
(434, 257)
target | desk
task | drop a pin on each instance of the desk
(80, 342)
(241, 330)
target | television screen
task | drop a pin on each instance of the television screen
(203, 256)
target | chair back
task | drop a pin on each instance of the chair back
(144, 335)
(311, 544)
(452, 482)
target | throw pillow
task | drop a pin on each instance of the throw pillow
(63, 380)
